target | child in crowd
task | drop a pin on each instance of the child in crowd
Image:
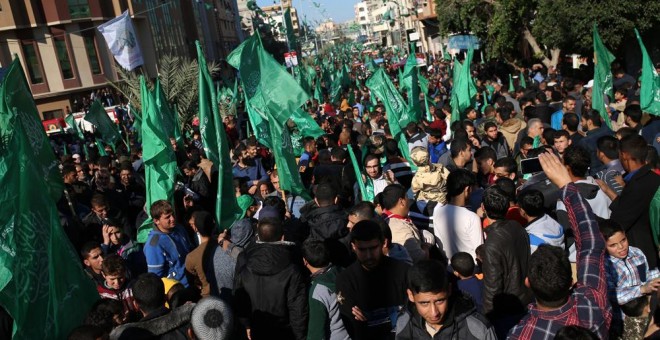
(430, 180)
(116, 285)
(463, 265)
(628, 274)
(626, 270)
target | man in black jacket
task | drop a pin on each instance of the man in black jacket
(270, 297)
(437, 311)
(371, 291)
(158, 322)
(506, 253)
(631, 208)
(326, 221)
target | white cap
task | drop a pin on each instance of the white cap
(590, 84)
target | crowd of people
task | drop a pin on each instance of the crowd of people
(526, 218)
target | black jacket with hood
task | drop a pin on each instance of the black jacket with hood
(270, 294)
(328, 224)
(461, 322)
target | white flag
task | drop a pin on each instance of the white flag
(120, 36)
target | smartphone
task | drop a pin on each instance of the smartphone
(530, 165)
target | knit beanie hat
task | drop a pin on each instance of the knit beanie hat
(212, 318)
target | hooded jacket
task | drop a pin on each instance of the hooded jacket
(510, 130)
(328, 224)
(461, 322)
(500, 145)
(269, 292)
(161, 324)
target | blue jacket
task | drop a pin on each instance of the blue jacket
(166, 253)
(556, 120)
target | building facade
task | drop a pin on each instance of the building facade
(65, 58)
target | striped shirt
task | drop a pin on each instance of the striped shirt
(625, 277)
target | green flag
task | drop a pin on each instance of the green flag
(105, 126)
(42, 285)
(395, 107)
(227, 210)
(100, 147)
(649, 94)
(445, 55)
(160, 167)
(512, 88)
(464, 90)
(523, 83)
(409, 82)
(423, 84)
(71, 121)
(178, 136)
(602, 77)
(654, 216)
(259, 124)
(307, 126)
(358, 173)
(137, 122)
(318, 93)
(290, 34)
(164, 110)
(273, 91)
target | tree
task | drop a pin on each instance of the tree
(178, 79)
(511, 28)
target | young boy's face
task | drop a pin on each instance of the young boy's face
(114, 281)
(617, 245)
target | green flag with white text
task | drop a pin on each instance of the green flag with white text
(602, 77)
(227, 210)
(397, 112)
(259, 124)
(649, 94)
(164, 110)
(104, 125)
(42, 284)
(160, 166)
(270, 89)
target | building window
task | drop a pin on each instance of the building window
(90, 48)
(78, 9)
(63, 57)
(33, 63)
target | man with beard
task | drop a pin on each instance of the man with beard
(593, 126)
(248, 168)
(371, 291)
(376, 180)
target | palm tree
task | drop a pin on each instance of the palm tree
(178, 79)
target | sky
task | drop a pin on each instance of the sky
(338, 10)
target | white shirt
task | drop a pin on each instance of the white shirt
(599, 204)
(545, 230)
(458, 228)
